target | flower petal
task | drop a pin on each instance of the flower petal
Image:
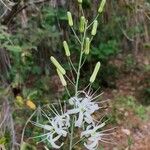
(91, 146)
(80, 120)
(52, 142)
(73, 111)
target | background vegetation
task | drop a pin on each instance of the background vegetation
(33, 30)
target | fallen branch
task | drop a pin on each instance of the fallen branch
(17, 8)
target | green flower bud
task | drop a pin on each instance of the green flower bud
(80, 1)
(94, 29)
(70, 21)
(96, 69)
(87, 46)
(62, 79)
(67, 51)
(82, 24)
(57, 65)
(101, 7)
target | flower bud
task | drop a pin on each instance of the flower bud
(30, 104)
(80, 1)
(66, 47)
(87, 46)
(62, 79)
(94, 29)
(96, 69)
(57, 65)
(82, 24)
(101, 7)
(70, 21)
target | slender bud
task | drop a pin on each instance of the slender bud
(62, 79)
(66, 47)
(82, 24)
(57, 65)
(101, 7)
(80, 1)
(96, 69)
(70, 21)
(94, 29)
(87, 46)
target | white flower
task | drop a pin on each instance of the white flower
(84, 107)
(93, 136)
(49, 135)
(61, 123)
(55, 129)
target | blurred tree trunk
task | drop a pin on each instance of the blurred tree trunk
(23, 16)
(4, 62)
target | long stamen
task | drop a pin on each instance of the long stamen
(55, 110)
(70, 80)
(104, 101)
(67, 91)
(107, 141)
(61, 109)
(97, 96)
(108, 129)
(96, 91)
(46, 115)
(86, 86)
(38, 136)
(89, 90)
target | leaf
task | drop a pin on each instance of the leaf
(2, 37)
(2, 140)
(61, 14)
(26, 146)
(15, 49)
(32, 94)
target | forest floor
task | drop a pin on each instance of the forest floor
(128, 111)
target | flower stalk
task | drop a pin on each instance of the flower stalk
(82, 106)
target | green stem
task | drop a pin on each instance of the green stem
(78, 73)
(71, 72)
(76, 35)
(83, 62)
(77, 78)
(67, 91)
(23, 131)
(81, 9)
(78, 141)
(92, 21)
(71, 63)
(80, 60)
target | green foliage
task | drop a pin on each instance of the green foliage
(5, 139)
(147, 96)
(26, 146)
(2, 140)
(24, 45)
(122, 104)
(115, 116)
(129, 62)
(137, 108)
(105, 50)
(144, 93)
(130, 141)
(4, 36)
